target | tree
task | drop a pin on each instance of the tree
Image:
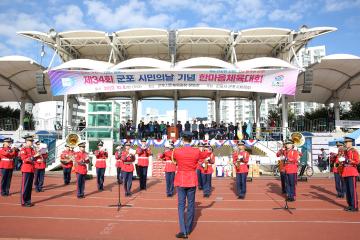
(319, 113)
(353, 114)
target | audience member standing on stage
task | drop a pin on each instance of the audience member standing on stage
(81, 159)
(119, 163)
(170, 168)
(187, 159)
(349, 174)
(143, 153)
(28, 155)
(40, 165)
(291, 168)
(7, 155)
(337, 170)
(207, 158)
(240, 160)
(127, 158)
(101, 155)
(66, 158)
(281, 154)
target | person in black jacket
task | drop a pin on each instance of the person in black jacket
(179, 128)
(201, 130)
(187, 126)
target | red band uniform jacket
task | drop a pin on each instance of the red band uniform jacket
(7, 156)
(243, 168)
(187, 159)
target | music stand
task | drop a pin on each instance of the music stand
(119, 205)
(286, 207)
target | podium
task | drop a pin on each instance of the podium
(172, 133)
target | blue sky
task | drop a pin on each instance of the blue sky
(20, 15)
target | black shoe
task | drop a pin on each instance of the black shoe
(41, 190)
(206, 195)
(351, 209)
(347, 209)
(28, 205)
(181, 235)
(241, 197)
(200, 189)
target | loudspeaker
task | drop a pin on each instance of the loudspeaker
(40, 83)
(308, 80)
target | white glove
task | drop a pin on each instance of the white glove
(341, 159)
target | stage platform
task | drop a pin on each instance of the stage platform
(58, 214)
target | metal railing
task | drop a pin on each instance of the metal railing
(9, 124)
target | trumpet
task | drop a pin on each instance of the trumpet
(238, 161)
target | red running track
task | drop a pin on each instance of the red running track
(58, 214)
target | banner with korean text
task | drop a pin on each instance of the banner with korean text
(64, 82)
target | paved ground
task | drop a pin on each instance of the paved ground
(58, 214)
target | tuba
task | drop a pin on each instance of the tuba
(72, 140)
(298, 139)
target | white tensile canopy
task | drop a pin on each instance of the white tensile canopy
(18, 82)
(336, 78)
(178, 45)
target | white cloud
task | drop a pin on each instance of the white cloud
(129, 15)
(12, 22)
(336, 5)
(294, 13)
(284, 15)
(70, 18)
(216, 12)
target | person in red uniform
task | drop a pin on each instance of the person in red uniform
(7, 155)
(349, 173)
(291, 168)
(66, 158)
(334, 160)
(207, 158)
(187, 159)
(281, 154)
(81, 159)
(40, 165)
(170, 168)
(240, 159)
(143, 153)
(28, 155)
(119, 163)
(101, 155)
(198, 171)
(127, 158)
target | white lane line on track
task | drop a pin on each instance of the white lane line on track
(173, 221)
(198, 198)
(173, 208)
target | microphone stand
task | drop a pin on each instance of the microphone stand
(119, 204)
(286, 206)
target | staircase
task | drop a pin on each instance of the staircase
(53, 162)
